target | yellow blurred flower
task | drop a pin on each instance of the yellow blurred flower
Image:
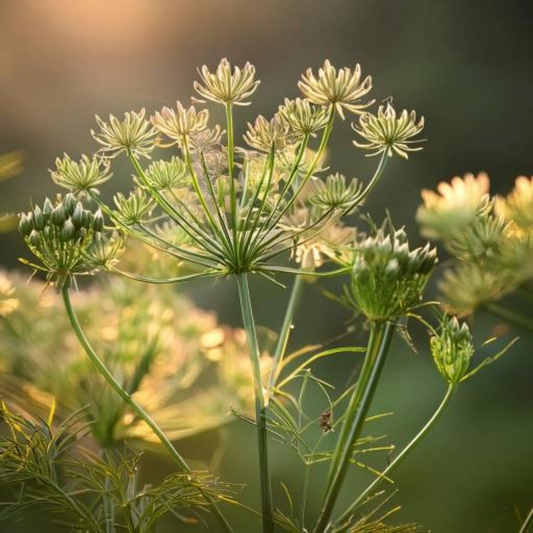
(518, 205)
(453, 206)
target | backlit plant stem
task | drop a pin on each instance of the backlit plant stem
(345, 517)
(285, 332)
(377, 349)
(231, 163)
(260, 408)
(527, 522)
(135, 407)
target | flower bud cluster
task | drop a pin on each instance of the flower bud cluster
(452, 349)
(60, 233)
(388, 278)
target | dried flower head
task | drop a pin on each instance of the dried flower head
(452, 349)
(180, 123)
(226, 87)
(265, 134)
(302, 117)
(133, 134)
(341, 88)
(207, 140)
(81, 176)
(388, 132)
(388, 278)
(453, 206)
(518, 205)
(335, 193)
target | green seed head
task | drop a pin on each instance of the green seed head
(452, 349)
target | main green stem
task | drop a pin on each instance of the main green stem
(135, 407)
(260, 408)
(345, 517)
(377, 349)
(285, 332)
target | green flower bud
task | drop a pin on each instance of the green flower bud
(78, 216)
(452, 350)
(38, 218)
(25, 225)
(68, 231)
(98, 221)
(58, 215)
(70, 204)
(47, 209)
(34, 238)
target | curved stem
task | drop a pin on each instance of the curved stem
(378, 346)
(135, 407)
(527, 522)
(285, 332)
(163, 281)
(398, 460)
(260, 408)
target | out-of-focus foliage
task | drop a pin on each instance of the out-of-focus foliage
(11, 165)
(182, 366)
(49, 466)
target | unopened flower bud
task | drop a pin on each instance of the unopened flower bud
(67, 231)
(38, 218)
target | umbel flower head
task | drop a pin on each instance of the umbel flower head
(82, 176)
(452, 349)
(265, 135)
(334, 192)
(302, 117)
(181, 122)
(224, 207)
(133, 134)
(388, 279)
(453, 206)
(342, 89)
(470, 285)
(60, 235)
(388, 132)
(226, 87)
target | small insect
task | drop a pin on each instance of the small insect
(325, 421)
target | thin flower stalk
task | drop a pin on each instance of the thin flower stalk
(377, 349)
(343, 522)
(283, 339)
(135, 407)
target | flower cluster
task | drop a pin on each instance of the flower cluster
(452, 349)
(239, 208)
(390, 133)
(68, 239)
(388, 278)
(490, 238)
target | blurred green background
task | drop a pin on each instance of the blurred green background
(465, 65)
